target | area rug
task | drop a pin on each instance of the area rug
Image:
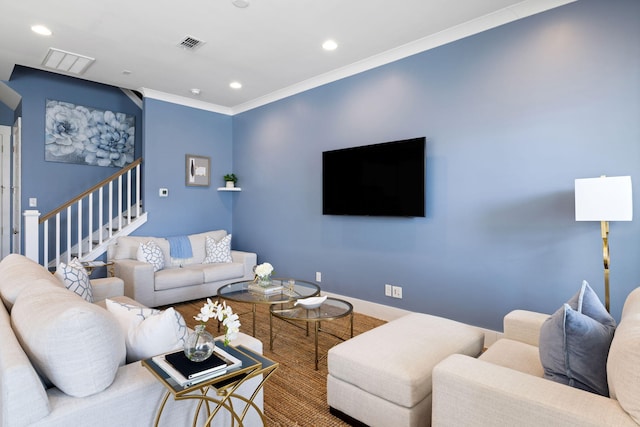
(296, 395)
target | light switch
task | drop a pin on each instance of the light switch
(33, 202)
(164, 192)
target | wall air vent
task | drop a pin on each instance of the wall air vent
(190, 43)
(72, 63)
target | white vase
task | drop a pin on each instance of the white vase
(230, 184)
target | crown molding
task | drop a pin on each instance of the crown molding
(503, 16)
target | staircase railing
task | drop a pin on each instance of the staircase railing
(82, 232)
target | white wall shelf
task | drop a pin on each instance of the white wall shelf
(229, 189)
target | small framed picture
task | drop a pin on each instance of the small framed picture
(198, 170)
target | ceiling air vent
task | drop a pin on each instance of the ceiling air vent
(72, 63)
(190, 43)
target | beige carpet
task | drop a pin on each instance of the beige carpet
(296, 395)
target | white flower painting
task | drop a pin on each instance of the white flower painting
(78, 134)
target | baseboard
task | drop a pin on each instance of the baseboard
(388, 313)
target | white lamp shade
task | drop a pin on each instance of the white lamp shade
(604, 199)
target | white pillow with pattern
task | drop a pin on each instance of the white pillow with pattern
(150, 252)
(219, 251)
(75, 278)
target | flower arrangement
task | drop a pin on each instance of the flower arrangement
(263, 271)
(223, 313)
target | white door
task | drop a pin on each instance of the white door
(17, 186)
(5, 191)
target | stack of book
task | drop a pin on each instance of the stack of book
(187, 372)
(265, 290)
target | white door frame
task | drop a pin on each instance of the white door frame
(5, 191)
(17, 186)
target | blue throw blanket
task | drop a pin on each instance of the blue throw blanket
(180, 247)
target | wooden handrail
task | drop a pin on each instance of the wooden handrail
(91, 190)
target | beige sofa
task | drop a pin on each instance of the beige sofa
(180, 279)
(62, 358)
(505, 386)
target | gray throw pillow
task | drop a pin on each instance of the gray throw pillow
(575, 341)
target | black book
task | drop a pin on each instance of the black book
(191, 369)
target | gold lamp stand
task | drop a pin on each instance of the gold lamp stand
(604, 199)
(604, 229)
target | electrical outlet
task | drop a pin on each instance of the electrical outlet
(318, 277)
(397, 291)
(387, 290)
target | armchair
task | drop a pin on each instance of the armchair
(505, 386)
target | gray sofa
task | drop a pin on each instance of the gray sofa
(62, 358)
(505, 386)
(181, 279)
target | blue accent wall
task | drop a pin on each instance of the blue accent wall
(6, 115)
(54, 183)
(512, 116)
(171, 131)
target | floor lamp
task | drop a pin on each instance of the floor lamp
(604, 199)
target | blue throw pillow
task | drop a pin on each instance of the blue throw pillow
(575, 341)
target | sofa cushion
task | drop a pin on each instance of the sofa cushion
(220, 271)
(218, 251)
(514, 355)
(150, 252)
(624, 358)
(574, 346)
(76, 345)
(148, 332)
(171, 278)
(18, 273)
(75, 278)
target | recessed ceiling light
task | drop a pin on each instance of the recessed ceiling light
(195, 91)
(126, 72)
(41, 29)
(235, 85)
(330, 45)
(240, 3)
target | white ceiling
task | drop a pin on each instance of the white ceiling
(273, 47)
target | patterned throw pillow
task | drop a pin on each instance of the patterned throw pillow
(75, 278)
(218, 251)
(148, 332)
(150, 252)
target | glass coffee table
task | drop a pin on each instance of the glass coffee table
(293, 289)
(331, 309)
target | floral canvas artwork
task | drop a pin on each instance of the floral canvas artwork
(84, 135)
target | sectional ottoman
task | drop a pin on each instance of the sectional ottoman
(383, 376)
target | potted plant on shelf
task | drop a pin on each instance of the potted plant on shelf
(230, 180)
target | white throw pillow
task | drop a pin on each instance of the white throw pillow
(219, 251)
(150, 252)
(75, 278)
(148, 332)
(76, 345)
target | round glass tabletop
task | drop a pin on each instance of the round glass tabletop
(282, 290)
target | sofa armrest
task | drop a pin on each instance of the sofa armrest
(468, 391)
(107, 287)
(138, 278)
(524, 326)
(249, 259)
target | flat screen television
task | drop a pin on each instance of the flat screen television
(385, 179)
